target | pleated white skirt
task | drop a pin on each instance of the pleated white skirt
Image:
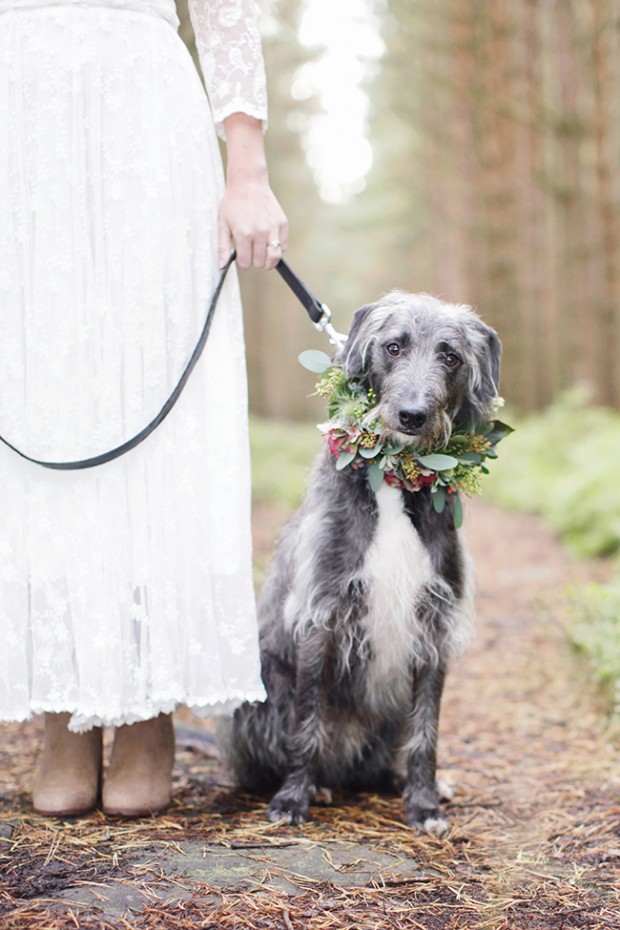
(125, 590)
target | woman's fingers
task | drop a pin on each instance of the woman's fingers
(276, 245)
(283, 235)
(252, 218)
(258, 250)
(274, 252)
(250, 245)
(224, 241)
(244, 245)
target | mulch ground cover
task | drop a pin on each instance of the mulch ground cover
(535, 820)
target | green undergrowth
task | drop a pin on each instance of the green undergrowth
(564, 464)
(595, 632)
(282, 456)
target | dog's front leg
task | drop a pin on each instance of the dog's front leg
(292, 801)
(420, 797)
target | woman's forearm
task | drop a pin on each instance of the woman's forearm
(250, 216)
(245, 148)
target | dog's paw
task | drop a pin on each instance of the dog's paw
(426, 820)
(436, 826)
(287, 809)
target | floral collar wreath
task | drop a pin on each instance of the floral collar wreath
(355, 436)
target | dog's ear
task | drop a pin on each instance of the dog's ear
(488, 351)
(351, 356)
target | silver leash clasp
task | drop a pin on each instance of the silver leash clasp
(324, 325)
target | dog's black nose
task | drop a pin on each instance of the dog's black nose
(412, 419)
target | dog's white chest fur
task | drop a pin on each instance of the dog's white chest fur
(397, 567)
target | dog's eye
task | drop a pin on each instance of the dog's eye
(393, 349)
(451, 360)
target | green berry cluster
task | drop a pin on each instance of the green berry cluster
(469, 481)
(409, 467)
(331, 382)
(368, 440)
(479, 443)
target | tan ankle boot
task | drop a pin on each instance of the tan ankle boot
(69, 778)
(137, 782)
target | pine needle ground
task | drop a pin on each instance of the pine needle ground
(535, 821)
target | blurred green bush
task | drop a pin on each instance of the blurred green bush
(564, 463)
(595, 632)
(282, 456)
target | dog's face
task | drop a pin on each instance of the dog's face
(432, 365)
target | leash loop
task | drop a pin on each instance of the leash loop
(318, 312)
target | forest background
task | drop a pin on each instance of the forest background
(495, 137)
(482, 165)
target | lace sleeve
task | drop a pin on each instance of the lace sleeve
(229, 48)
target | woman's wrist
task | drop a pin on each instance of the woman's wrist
(245, 161)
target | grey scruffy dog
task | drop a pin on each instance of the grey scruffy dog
(370, 594)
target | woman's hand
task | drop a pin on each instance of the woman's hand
(249, 214)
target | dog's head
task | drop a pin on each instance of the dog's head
(433, 365)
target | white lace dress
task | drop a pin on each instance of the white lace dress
(125, 590)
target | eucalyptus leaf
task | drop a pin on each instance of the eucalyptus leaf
(370, 453)
(344, 459)
(394, 450)
(457, 512)
(469, 458)
(437, 461)
(315, 361)
(498, 431)
(375, 476)
(501, 427)
(438, 498)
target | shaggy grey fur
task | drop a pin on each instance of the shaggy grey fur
(370, 595)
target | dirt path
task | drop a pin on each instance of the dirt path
(535, 838)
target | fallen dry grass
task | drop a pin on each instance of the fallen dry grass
(535, 835)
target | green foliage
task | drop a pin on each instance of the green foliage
(282, 455)
(564, 463)
(595, 632)
(315, 361)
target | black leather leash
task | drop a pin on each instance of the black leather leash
(318, 312)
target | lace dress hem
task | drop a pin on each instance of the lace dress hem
(213, 705)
